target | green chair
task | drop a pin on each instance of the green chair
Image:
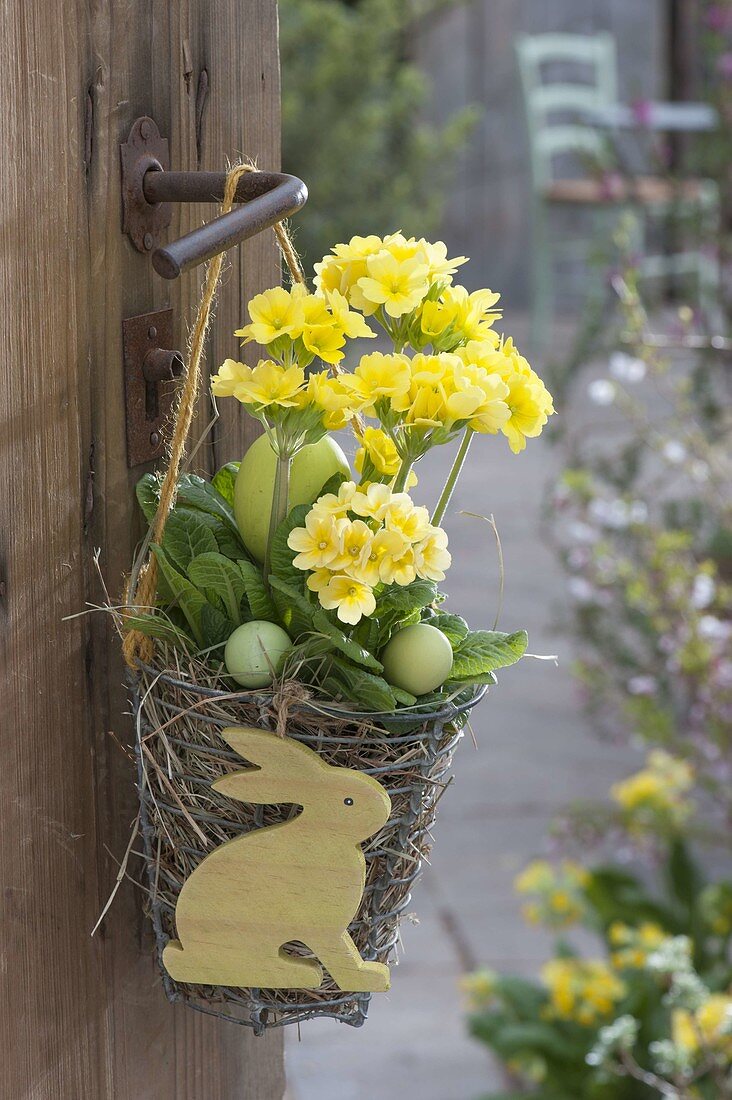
(574, 138)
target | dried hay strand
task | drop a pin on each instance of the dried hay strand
(180, 705)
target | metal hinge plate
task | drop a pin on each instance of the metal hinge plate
(146, 410)
(144, 150)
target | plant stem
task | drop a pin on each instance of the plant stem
(452, 477)
(279, 507)
(400, 481)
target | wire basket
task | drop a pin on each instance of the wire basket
(180, 752)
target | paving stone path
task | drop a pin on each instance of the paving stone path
(534, 754)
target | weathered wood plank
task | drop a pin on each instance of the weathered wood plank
(87, 1018)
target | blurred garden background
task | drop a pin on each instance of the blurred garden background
(571, 936)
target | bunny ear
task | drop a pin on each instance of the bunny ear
(285, 768)
(277, 756)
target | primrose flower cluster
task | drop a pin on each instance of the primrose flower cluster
(461, 376)
(360, 538)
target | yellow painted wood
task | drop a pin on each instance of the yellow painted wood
(301, 880)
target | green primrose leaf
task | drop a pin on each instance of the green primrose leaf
(482, 651)
(217, 574)
(224, 479)
(258, 596)
(186, 536)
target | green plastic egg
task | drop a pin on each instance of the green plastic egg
(254, 487)
(253, 651)
(417, 659)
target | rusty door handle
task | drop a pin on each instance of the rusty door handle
(148, 189)
(269, 197)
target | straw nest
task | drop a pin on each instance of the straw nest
(180, 706)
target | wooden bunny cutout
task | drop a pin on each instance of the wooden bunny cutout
(299, 880)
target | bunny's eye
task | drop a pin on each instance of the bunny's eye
(347, 801)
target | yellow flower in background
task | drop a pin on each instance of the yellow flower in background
(584, 991)
(274, 313)
(348, 597)
(397, 285)
(480, 987)
(656, 794)
(231, 376)
(317, 543)
(707, 1029)
(559, 890)
(634, 945)
(431, 556)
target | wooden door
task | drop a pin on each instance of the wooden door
(83, 1018)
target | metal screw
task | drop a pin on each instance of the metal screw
(145, 129)
(154, 439)
(147, 240)
(152, 332)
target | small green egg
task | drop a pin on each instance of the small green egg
(253, 651)
(417, 658)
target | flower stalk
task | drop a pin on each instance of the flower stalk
(279, 506)
(400, 482)
(452, 477)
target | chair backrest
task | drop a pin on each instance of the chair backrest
(548, 139)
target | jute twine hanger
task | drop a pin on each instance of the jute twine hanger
(140, 595)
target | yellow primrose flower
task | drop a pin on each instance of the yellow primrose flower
(276, 312)
(431, 556)
(528, 409)
(341, 269)
(319, 579)
(381, 451)
(435, 318)
(351, 598)
(354, 541)
(397, 285)
(396, 566)
(271, 384)
(336, 505)
(231, 376)
(438, 264)
(381, 376)
(373, 502)
(317, 543)
(324, 341)
(709, 1028)
(475, 313)
(370, 565)
(410, 521)
(328, 393)
(350, 323)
